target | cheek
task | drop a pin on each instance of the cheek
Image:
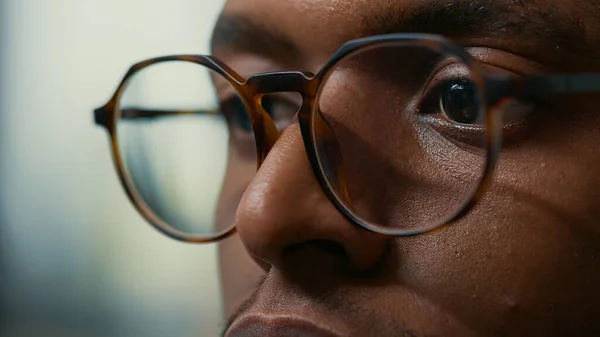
(239, 273)
(528, 253)
(495, 272)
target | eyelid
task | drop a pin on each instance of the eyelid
(432, 93)
(515, 109)
(449, 69)
(497, 59)
(514, 113)
(453, 69)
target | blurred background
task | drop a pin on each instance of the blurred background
(76, 259)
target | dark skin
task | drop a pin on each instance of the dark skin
(524, 262)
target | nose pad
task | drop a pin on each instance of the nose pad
(266, 133)
(329, 156)
(277, 111)
(282, 107)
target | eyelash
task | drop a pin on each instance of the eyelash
(429, 103)
(430, 109)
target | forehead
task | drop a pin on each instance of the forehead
(309, 21)
(345, 17)
(339, 20)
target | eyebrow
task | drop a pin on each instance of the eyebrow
(537, 28)
(236, 31)
(483, 19)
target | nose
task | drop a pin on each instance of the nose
(285, 220)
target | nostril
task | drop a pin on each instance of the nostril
(327, 247)
(321, 258)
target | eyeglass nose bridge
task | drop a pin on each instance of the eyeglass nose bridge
(257, 86)
(307, 85)
(304, 83)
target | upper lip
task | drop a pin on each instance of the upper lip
(256, 324)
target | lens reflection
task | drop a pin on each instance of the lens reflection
(400, 136)
(188, 151)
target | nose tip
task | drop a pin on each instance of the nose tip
(285, 213)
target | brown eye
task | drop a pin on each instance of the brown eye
(459, 101)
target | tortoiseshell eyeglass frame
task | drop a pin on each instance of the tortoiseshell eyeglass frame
(496, 91)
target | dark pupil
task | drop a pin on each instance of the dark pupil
(460, 102)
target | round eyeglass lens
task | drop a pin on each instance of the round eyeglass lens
(400, 136)
(187, 148)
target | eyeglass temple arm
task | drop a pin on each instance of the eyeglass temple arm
(533, 87)
(562, 84)
(135, 113)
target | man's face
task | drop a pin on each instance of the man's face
(524, 262)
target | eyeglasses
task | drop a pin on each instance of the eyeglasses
(402, 131)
